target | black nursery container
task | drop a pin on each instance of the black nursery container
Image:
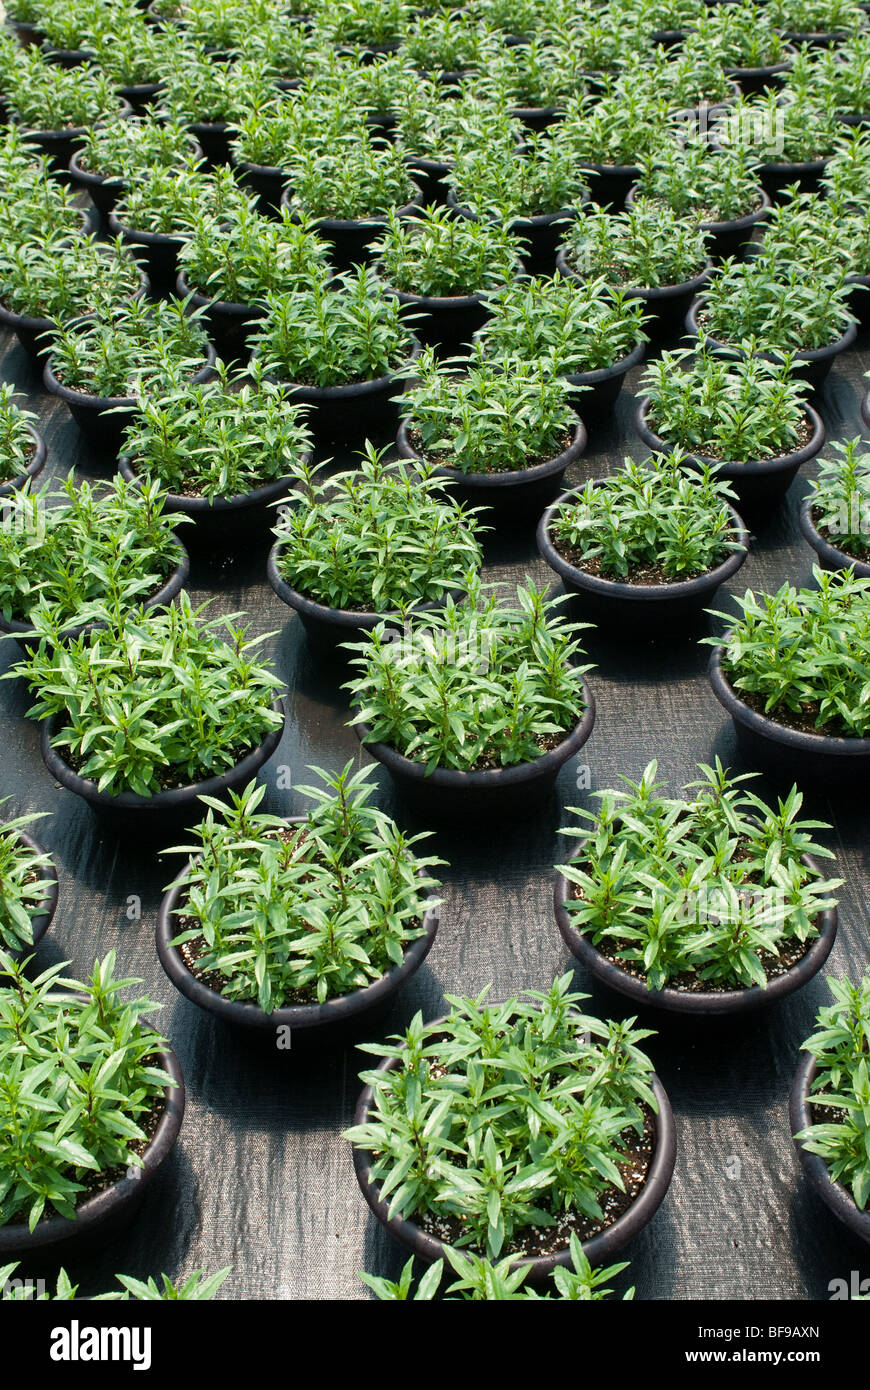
(226, 524)
(33, 468)
(356, 411)
(830, 557)
(637, 610)
(812, 364)
(540, 235)
(835, 1196)
(156, 252)
(228, 325)
(446, 322)
(42, 918)
(725, 238)
(104, 192)
(351, 238)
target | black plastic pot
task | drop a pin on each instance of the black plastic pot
(59, 145)
(788, 755)
(57, 1238)
(835, 1196)
(328, 628)
(494, 796)
(725, 238)
(540, 235)
(34, 467)
(214, 138)
(27, 637)
(228, 325)
(41, 920)
(140, 96)
(351, 239)
(447, 322)
(760, 484)
(103, 419)
(865, 410)
(776, 178)
(637, 610)
(603, 385)
(104, 192)
(609, 183)
(159, 815)
(429, 175)
(227, 524)
(598, 1249)
(335, 1017)
(859, 298)
(817, 40)
(520, 494)
(67, 57)
(359, 410)
(711, 1004)
(156, 252)
(266, 181)
(813, 364)
(667, 305)
(830, 558)
(537, 118)
(755, 80)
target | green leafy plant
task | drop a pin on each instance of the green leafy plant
(776, 304)
(219, 25)
(847, 174)
(618, 127)
(694, 181)
(64, 278)
(283, 52)
(841, 1088)
(645, 247)
(281, 913)
(838, 79)
(371, 90)
(502, 1127)
(545, 72)
(706, 892)
(277, 132)
(487, 420)
(23, 886)
(684, 79)
(221, 438)
(800, 655)
(437, 254)
(445, 41)
(251, 257)
(432, 126)
(17, 445)
(120, 149)
(79, 1082)
(649, 523)
(70, 553)
(741, 35)
(504, 184)
(195, 89)
(841, 497)
(349, 183)
(195, 1288)
(43, 96)
(816, 16)
(798, 131)
(175, 201)
(821, 235)
(36, 208)
(733, 410)
(130, 52)
(571, 327)
(131, 349)
(483, 685)
(364, 22)
(378, 539)
(483, 1280)
(153, 701)
(72, 24)
(335, 331)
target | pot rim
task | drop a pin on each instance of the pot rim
(348, 390)
(308, 1016)
(351, 224)
(72, 396)
(47, 906)
(640, 593)
(519, 476)
(198, 506)
(340, 617)
(711, 1003)
(752, 468)
(749, 219)
(650, 295)
(56, 1230)
(833, 1194)
(597, 1247)
(161, 801)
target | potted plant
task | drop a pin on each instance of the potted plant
(791, 671)
(216, 29)
(751, 50)
(100, 366)
(159, 210)
(208, 97)
(117, 151)
(145, 712)
(792, 139)
(533, 80)
(379, 541)
(193, 1289)
(770, 305)
(432, 130)
(608, 134)
(690, 79)
(582, 330)
(835, 518)
(447, 45)
(271, 133)
(285, 52)
(504, 438)
(822, 236)
(645, 548)
(370, 90)
(71, 552)
(342, 345)
(828, 1105)
(648, 251)
(373, 26)
(133, 55)
(709, 904)
(516, 20)
(229, 268)
(847, 174)
(55, 107)
(35, 207)
(474, 712)
(347, 192)
(485, 1176)
(94, 1119)
(22, 449)
(356, 920)
(483, 1280)
(28, 889)
(817, 22)
(719, 191)
(224, 451)
(746, 417)
(44, 286)
(535, 192)
(838, 78)
(446, 269)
